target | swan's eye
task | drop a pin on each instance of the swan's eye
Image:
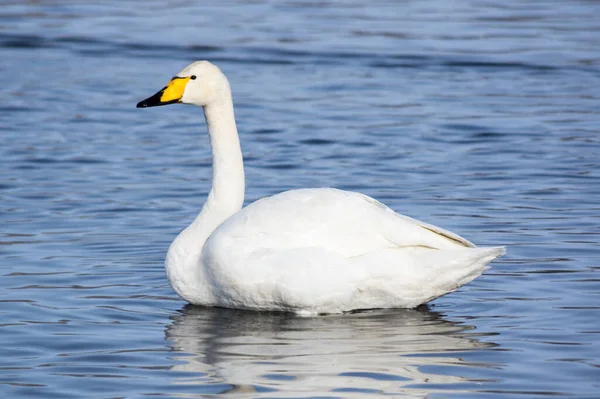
(193, 77)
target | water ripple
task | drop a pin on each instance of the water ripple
(481, 118)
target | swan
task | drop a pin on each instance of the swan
(309, 251)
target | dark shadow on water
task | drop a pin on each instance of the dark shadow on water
(382, 350)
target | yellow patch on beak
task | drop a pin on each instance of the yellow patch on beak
(172, 93)
(174, 89)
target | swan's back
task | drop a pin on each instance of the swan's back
(345, 222)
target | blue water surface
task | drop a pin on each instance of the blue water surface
(480, 117)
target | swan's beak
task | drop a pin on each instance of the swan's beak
(170, 94)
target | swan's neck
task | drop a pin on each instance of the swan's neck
(184, 266)
(227, 193)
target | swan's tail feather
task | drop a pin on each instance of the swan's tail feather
(410, 278)
(462, 270)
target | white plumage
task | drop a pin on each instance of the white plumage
(308, 251)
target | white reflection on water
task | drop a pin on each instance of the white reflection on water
(371, 352)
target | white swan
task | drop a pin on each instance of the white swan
(309, 251)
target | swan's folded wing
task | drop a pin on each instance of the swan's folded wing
(409, 227)
(447, 235)
(348, 223)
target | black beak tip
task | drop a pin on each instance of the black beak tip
(155, 101)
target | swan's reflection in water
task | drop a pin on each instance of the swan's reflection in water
(276, 354)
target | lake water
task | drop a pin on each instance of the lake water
(481, 117)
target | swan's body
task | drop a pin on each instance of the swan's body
(308, 251)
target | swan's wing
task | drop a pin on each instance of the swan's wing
(445, 234)
(347, 223)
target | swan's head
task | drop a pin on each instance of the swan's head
(200, 83)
